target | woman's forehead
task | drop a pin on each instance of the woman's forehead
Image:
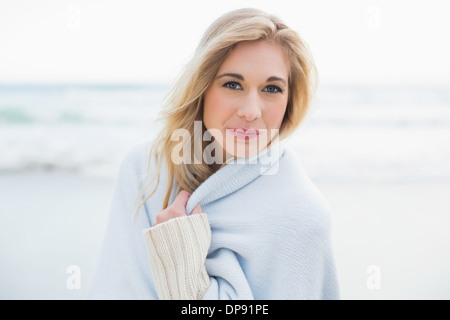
(262, 57)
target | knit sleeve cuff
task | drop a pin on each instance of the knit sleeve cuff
(177, 250)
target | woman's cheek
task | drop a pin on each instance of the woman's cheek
(221, 109)
(273, 116)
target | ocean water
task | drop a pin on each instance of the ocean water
(352, 133)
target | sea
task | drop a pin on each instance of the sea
(394, 133)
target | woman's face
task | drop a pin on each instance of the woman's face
(247, 99)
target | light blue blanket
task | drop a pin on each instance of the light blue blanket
(270, 232)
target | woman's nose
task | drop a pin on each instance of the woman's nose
(251, 107)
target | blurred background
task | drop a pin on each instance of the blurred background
(81, 81)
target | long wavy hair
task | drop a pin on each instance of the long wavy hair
(184, 102)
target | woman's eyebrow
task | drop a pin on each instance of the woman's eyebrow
(273, 78)
(241, 77)
(234, 75)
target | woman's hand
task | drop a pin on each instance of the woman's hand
(176, 209)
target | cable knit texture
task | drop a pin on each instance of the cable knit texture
(177, 250)
(270, 234)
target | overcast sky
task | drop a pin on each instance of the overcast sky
(129, 41)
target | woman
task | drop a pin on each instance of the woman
(228, 213)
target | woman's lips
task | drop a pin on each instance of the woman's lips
(244, 133)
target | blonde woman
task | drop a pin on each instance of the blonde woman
(224, 209)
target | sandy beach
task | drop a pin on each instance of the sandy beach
(400, 228)
(50, 221)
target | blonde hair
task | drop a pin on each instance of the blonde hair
(184, 103)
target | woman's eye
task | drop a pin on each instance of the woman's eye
(273, 89)
(233, 85)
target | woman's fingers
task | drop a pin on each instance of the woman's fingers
(181, 200)
(197, 209)
(160, 217)
(176, 209)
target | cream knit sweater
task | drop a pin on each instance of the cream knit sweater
(177, 249)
